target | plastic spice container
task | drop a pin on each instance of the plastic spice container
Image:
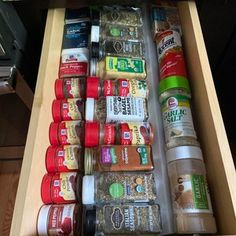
(176, 112)
(125, 133)
(116, 108)
(68, 109)
(70, 88)
(132, 219)
(66, 133)
(113, 187)
(118, 87)
(118, 158)
(60, 188)
(190, 196)
(66, 158)
(57, 220)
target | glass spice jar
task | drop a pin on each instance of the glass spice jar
(57, 220)
(118, 87)
(67, 158)
(132, 219)
(116, 108)
(70, 88)
(113, 187)
(125, 133)
(118, 158)
(67, 133)
(68, 109)
(174, 96)
(190, 197)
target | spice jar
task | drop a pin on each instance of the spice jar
(70, 88)
(66, 132)
(176, 112)
(116, 108)
(60, 188)
(57, 220)
(65, 158)
(132, 219)
(113, 187)
(117, 158)
(125, 133)
(190, 196)
(68, 109)
(118, 87)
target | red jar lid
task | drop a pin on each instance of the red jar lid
(49, 160)
(91, 134)
(46, 189)
(58, 87)
(56, 110)
(53, 134)
(92, 87)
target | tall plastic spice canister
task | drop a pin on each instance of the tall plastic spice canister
(174, 96)
(190, 197)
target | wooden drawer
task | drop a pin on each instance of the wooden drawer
(219, 163)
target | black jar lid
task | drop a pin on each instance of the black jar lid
(90, 222)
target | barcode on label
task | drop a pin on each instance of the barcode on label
(56, 183)
(126, 135)
(61, 153)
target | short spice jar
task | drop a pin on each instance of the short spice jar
(57, 220)
(174, 96)
(96, 88)
(118, 158)
(190, 197)
(67, 158)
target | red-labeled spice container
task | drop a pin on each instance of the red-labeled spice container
(68, 109)
(67, 158)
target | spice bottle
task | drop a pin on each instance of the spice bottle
(132, 219)
(57, 220)
(66, 133)
(176, 112)
(117, 158)
(70, 88)
(67, 158)
(190, 196)
(68, 109)
(119, 87)
(116, 108)
(125, 133)
(116, 187)
(60, 188)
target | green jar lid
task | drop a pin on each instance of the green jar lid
(173, 82)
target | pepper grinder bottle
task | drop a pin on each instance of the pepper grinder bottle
(118, 158)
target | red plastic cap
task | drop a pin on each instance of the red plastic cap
(92, 87)
(50, 159)
(53, 134)
(59, 88)
(46, 189)
(91, 134)
(56, 110)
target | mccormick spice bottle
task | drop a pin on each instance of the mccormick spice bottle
(117, 158)
(67, 158)
(190, 196)
(116, 108)
(125, 133)
(57, 220)
(119, 87)
(68, 109)
(132, 219)
(112, 187)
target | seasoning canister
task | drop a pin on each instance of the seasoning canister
(67, 158)
(57, 220)
(70, 88)
(174, 96)
(190, 195)
(170, 55)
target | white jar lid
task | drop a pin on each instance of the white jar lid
(95, 33)
(88, 189)
(184, 152)
(89, 109)
(42, 223)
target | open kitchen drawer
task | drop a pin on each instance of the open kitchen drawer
(209, 124)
